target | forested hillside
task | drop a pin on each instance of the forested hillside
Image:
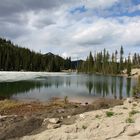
(105, 63)
(15, 58)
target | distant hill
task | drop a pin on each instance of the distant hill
(16, 58)
(75, 64)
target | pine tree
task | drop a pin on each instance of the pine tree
(129, 66)
(121, 59)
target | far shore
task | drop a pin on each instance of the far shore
(135, 72)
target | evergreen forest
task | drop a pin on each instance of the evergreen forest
(16, 58)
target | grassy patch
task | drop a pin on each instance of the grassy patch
(129, 120)
(109, 113)
(133, 112)
(7, 104)
(97, 116)
(125, 107)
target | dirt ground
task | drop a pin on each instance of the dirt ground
(18, 119)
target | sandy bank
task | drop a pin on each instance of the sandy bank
(117, 123)
(70, 121)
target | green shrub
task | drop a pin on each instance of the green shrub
(109, 113)
(133, 112)
(129, 120)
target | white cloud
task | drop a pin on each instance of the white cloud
(100, 4)
(50, 26)
(134, 8)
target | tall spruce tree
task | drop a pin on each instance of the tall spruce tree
(121, 59)
(129, 66)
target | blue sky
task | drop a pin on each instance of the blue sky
(72, 27)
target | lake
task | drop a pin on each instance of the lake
(78, 87)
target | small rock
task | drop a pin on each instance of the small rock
(133, 132)
(82, 116)
(53, 126)
(68, 117)
(60, 110)
(54, 120)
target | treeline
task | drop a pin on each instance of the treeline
(15, 58)
(106, 63)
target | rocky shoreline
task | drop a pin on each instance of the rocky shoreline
(104, 119)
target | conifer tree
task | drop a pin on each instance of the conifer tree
(129, 66)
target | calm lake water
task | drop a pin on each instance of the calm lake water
(78, 87)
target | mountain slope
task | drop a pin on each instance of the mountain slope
(15, 58)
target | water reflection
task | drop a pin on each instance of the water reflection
(71, 86)
(128, 88)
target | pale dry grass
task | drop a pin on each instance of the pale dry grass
(7, 104)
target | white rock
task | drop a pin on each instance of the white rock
(82, 116)
(54, 120)
(68, 117)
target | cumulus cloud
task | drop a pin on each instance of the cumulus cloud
(71, 28)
